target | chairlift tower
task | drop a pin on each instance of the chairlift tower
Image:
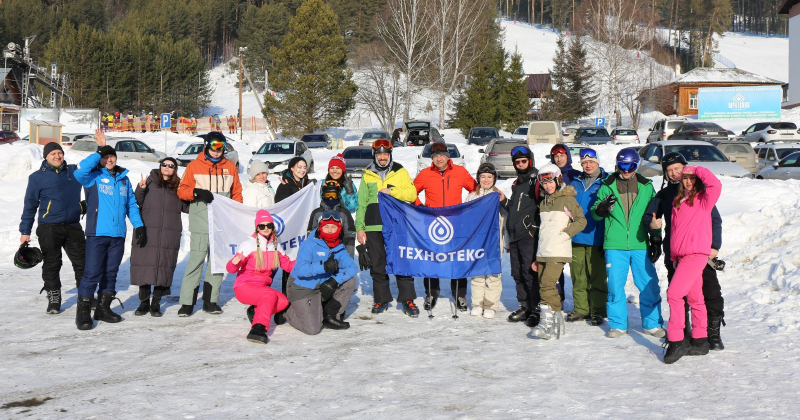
(34, 78)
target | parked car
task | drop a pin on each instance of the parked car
(195, 147)
(543, 132)
(68, 139)
(664, 128)
(699, 130)
(277, 154)
(699, 153)
(521, 133)
(498, 153)
(357, 158)
(740, 153)
(786, 168)
(592, 135)
(769, 154)
(8, 137)
(765, 132)
(420, 133)
(482, 135)
(621, 135)
(316, 140)
(126, 147)
(568, 134)
(424, 158)
(370, 136)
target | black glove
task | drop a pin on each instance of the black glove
(327, 288)
(141, 236)
(364, 262)
(106, 150)
(83, 207)
(203, 195)
(654, 249)
(331, 264)
(604, 207)
(349, 188)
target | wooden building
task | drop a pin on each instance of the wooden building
(10, 100)
(537, 86)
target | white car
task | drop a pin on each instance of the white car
(700, 153)
(277, 154)
(787, 168)
(521, 133)
(624, 136)
(194, 148)
(424, 159)
(126, 148)
(769, 154)
(765, 132)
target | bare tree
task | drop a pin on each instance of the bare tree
(380, 85)
(637, 91)
(402, 28)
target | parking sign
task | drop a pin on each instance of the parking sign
(599, 122)
(166, 121)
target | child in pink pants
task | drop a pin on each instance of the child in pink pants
(689, 248)
(255, 263)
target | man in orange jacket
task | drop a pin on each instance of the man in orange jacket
(442, 183)
(209, 174)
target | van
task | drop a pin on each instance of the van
(543, 132)
(740, 153)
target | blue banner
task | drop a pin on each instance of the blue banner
(739, 102)
(446, 242)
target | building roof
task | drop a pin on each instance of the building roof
(722, 75)
(538, 82)
(784, 10)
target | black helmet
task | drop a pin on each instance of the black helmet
(670, 159)
(487, 168)
(27, 256)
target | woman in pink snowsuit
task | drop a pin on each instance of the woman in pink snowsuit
(689, 248)
(255, 263)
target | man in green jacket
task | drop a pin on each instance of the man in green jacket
(382, 175)
(621, 201)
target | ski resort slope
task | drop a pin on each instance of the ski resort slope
(757, 54)
(537, 46)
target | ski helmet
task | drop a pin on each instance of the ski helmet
(27, 256)
(330, 190)
(520, 152)
(671, 159)
(628, 160)
(487, 168)
(381, 146)
(550, 172)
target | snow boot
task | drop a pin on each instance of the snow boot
(656, 332)
(83, 316)
(616, 333)
(104, 312)
(699, 347)
(533, 318)
(461, 304)
(410, 309)
(575, 316)
(185, 310)
(208, 306)
(520, 314)
(675, 350)
(430, 303)
(155, 306)
(596, 319)
(714, 339)
(546, 325)
(53, 301)
(334, 323)
(488, 313)
(258, 334)
(143, 308)
(251, 313)
(279, 317)
(476, 311)
(380, 307)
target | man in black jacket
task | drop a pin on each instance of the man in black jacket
(523, 233)
(55, 192)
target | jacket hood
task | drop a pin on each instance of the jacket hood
(569, 161)
(567, 190)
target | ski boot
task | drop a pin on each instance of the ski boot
(545, 328)
(410, 309)
(714, 339)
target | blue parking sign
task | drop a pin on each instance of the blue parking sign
(599, 122)
(166, 121)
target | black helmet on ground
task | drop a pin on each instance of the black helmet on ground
(27, 256)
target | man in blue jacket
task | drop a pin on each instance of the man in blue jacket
(322, 280)
(109, 199)
(588, 267)
(56, 193)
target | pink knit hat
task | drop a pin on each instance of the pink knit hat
(263, 216)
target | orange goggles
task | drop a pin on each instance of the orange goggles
(216, 145)
(381, 144)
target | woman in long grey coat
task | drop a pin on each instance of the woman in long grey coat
(153, 262)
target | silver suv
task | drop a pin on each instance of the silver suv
(664, 128)
(769, 154)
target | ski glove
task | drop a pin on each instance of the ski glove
(203, 195)
(605, 207)
(328, 288)
(364, 262)
(349, 188)
(141, 236)
(654, 249)
(331, 264)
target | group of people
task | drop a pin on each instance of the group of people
(150, 122)
(604, 225)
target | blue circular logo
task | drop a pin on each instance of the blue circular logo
(278, 224)
(440, 231)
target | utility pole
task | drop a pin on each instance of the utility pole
(239, 117)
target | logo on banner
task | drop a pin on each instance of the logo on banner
(739, 102)
(279, 225)
(440, 231)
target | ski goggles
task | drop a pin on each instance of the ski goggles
(330, 215)
(216, 145)
(559, 149)
(262, 226)
(520, 151)
(330, 190)
(627, 166)
(439, 148)
(587, 154)
(548, 177)
(381, 145)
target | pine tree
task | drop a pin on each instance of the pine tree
(579, 76)
(514, 103)
(314, 88)
(556, 102)
(475, 106)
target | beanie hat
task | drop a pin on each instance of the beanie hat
(263, 216)
(256, 168)
(49, 147)
(295, 160)
(439, 149)
(339, 161)
(107, 150)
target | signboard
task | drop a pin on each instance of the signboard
(599, 122)
(166, 121)
(739, 102)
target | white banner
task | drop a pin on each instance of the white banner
(230, 223)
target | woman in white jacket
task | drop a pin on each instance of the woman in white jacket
(258, 193)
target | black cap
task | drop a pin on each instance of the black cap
(106, 150)
(49, 147)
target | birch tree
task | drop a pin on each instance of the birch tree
(380, 86)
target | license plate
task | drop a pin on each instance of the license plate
(509, 168)
(712, 133)
(787, 133)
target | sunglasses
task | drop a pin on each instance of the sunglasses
(216, 145)
(167, 165)
(381, 144)
(521, 161)
(262, 226)
(588, 152)
(331, 215)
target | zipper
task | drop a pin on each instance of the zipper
(48, 209)
(444, 190)
(163, 204)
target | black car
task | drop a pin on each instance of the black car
(699, 130)
(314, 140)
(482, 135)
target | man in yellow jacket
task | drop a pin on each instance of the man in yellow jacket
(389, 177)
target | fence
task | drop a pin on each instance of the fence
(152, 123)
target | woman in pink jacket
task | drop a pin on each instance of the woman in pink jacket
(255, 263)
(691, 242)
